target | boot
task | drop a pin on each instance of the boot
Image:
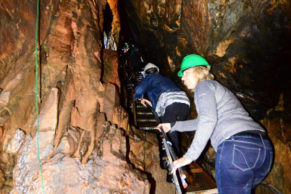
(170, 178)
(164, 161)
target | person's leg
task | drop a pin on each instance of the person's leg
(266, 162)
(230, 179)
(218, 166)
(174, 138)
(175, 112)
(239, 161)
(178, 112)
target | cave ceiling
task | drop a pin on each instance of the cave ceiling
(246, 42)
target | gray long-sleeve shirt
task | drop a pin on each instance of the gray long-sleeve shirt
(220, 115)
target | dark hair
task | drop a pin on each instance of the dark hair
(152, 70)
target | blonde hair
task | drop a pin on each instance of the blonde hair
(202, 72)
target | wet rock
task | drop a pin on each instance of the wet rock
(4, 98)
(111, 100)
(278, 131)
(144, 155)
(101, 174)
(2, 179)
(16, 142)
(111, 63)
(120, 118)
(48, 115)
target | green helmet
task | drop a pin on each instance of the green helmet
(192, 60)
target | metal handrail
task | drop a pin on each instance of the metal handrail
(171, 155)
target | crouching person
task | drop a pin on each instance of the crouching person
(169, 102)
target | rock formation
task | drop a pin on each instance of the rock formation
(85, 139)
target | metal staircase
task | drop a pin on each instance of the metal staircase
(145, 119)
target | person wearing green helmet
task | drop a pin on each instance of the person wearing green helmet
(192, 60)
(244, 152)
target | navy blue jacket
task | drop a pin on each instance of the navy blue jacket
(153, 85)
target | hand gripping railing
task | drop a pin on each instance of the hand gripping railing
(171, 156)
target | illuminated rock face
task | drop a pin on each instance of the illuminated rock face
(82, 140)
(105, 172)
(86, 142)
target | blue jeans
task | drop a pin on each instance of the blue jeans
(242, 162)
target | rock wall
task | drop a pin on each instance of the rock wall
(83, 130)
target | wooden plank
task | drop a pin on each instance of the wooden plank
(209, 191)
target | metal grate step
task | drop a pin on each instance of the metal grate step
(147, 128)
(150, 125)
(147, 120)
(144, 113)
(139, 106)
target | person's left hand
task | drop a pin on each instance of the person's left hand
(179, 163)
(143, 101)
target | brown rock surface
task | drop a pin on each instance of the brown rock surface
(70, 61)
(86, 143)
(83, 130)
(104, 173)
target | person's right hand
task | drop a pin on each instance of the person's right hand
(166, 127)
(179, 163)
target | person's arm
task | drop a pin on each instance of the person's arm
(206, 120)
(181, 126)
(184, 126)
(141, 88)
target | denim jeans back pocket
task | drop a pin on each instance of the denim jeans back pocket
(245, 158)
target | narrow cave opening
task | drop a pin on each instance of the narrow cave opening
(108, 40)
